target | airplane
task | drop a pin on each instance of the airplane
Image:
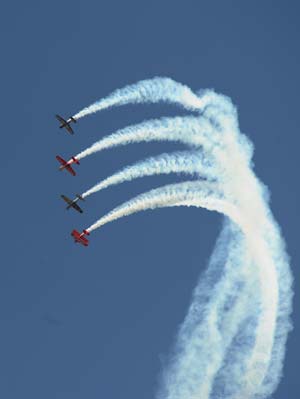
(67, 164)
(66, 123)
(73, 203)
(80, 237)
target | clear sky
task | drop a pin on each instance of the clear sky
(88, 323)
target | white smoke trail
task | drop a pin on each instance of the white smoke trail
(170, 194)
(199, 132)
(231, 344)
(204, 195)
(148, 91)
(198, 194)
(187, 162)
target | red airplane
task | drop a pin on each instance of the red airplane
(80, 237)
(67, 165)
(66, 123)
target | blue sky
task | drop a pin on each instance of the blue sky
(99, 322)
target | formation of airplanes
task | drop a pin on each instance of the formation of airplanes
(79, 238)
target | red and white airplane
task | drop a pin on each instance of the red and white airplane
(66, 123)
(67, 164)
(80, 237)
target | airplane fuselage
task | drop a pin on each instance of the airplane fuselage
(73, 202)
(68, 121)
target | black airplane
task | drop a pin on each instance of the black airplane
(73, 203)
(66, 123)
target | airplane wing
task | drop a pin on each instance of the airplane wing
(60, 119)
(77, 207)
(60, 160)
(84, 241)
(69, 129)
(71, 170)
(68, 201)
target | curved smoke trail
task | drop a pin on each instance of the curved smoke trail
(232, 341)
(147, 91)
(164, 129)
(185, 162)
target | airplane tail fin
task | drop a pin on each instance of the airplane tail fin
(75, 160)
